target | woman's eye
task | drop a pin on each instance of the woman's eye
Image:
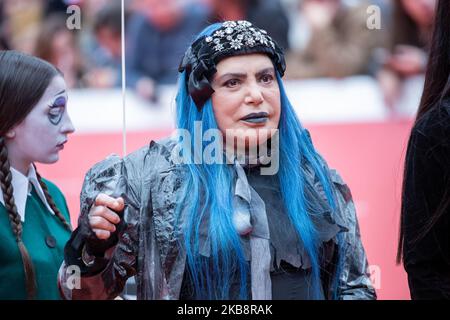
(232, 83)
(267, 78)
(57, 110)
(54, 112)
(55, 115)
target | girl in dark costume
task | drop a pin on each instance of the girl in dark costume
(34, 220)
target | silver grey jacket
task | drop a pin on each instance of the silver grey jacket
(147, 243)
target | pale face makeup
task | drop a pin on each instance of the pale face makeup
(246, 100)
(42, 134)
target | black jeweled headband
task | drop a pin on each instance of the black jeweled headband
(231, 39)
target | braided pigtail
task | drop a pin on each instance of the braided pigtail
(52, 204)
(14, 218)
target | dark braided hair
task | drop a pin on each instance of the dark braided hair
(14, 219)
(30, 76)
(52, 204)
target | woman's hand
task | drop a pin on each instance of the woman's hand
(102, 218)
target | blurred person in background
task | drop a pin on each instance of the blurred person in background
(424, 245)
(337, 42)
(412, 22)
(58, 45)
(34, 219)
(158, 33)
(89, 10)
(22, 19)
(105, 68)
(57, 6)
(266, 14)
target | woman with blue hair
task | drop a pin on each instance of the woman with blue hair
(236, 205)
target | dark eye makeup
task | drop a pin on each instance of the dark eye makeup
(57, 110)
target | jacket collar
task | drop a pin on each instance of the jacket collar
(22, 186)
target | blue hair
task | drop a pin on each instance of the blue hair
(208, 195)
(295, 145)
(211, 184)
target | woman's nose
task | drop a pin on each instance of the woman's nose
(67, 126)
(254, 95)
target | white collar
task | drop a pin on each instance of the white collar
(22, 188)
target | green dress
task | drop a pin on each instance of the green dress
(40, 229)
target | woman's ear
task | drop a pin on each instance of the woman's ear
(10, 134)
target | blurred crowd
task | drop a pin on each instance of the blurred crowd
(322, 38)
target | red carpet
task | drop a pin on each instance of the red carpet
(369, 157)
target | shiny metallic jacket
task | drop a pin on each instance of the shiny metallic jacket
(146, 245)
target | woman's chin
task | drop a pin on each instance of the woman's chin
(49, 159)
(250, 140)
(249, 137)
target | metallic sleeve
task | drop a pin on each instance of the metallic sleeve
(353, 277)
(106, 276)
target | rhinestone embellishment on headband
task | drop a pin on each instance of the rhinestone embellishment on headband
(236, 34)
(231, 38)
